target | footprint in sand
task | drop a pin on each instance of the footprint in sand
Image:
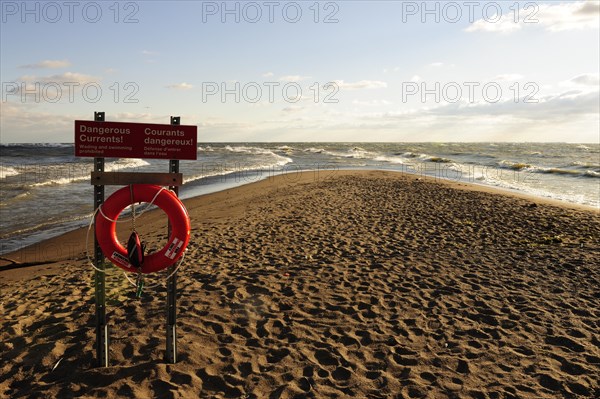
(325, 358)
(341, 374)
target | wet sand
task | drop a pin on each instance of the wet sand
(332, 284)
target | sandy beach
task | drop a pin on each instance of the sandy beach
(364, 284)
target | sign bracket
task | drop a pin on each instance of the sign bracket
(125, 178)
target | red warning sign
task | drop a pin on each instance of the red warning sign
(135, 140)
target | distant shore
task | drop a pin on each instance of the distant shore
(349, 284)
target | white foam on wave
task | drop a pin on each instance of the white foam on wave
(16, 198)
(526, 181)
(239, 171)
(513, 165)
(266, 161)
(315, 150)
(585, 165)
(591, 173)
(354, 153)
(7, 171)
(559, 171)
(61, 174)
(125, 163)
(279, 160)
(410, 154)
(391, 159)
(435, 159)
(248, 150)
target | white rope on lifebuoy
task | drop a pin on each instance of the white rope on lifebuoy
(93, 217)
(100, 210)
(179, 235)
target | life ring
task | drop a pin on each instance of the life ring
(106, 232)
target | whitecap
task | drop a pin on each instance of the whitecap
(7, 171)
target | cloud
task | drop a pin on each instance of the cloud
(437, 64)
(415, 78)
(47, 64)
(293, 78)
(65, 79)
(552, 17)
(575, 16)
(508, 77)
(362, 84)
(292, 109)
(148, 52)
(25, 122)
(215, 129)
(553, 118)
(143, 117)
(31, 123)
(587, 79)
(268, 74)
(564, 106)
(372, 103)
(502, 25)
(180, 86)
(52, 88)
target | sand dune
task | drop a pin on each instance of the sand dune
(350, 284)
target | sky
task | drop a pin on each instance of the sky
(281, 71)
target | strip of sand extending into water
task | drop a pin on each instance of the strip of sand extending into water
(331, 284)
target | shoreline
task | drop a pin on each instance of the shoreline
(283, 175)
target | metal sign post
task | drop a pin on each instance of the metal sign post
(87, 135)
(100, 278)
(172, 280)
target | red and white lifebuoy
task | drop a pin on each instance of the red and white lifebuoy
(106, 231)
